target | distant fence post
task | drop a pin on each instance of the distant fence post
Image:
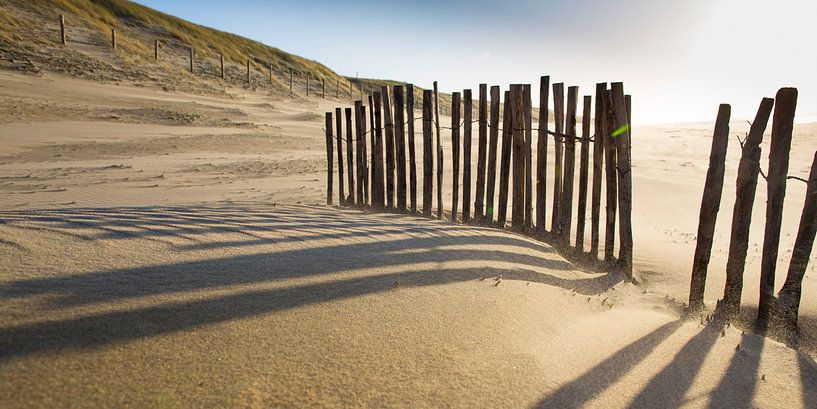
(384, 92)
(323, 89)
(156, 50)
(270, 72)
(490, 175)
(517, 137)
(350, 162)
(339, 129)
(559, 117)
(584, 159)
(191, 59)
(113, 38)
(440, 205)
(598, 158)
(63, 37)
(625, 178)
(505, 162)
(482, 152)
(378, 182)
(248, 71)
(428, 153)
(566, 209)
(527, 107)
(329, 170)
(411, 148)
(709, 213)
(337, 89)
(789, 296)
(455, 153)
(782, 126)
(400, 146)
(307, 85)
(290, 80)
(611, 181)
(542, 156)
(748, 170)
(466, 154)
(221, 58)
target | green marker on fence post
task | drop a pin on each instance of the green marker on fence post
(620, 130)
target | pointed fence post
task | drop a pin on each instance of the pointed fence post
(542, 156)
(307, 85)
(482, 152)
(710, 203)
(559, 116)
(455, 153)
(566, 208)
(625, 177)
(598, 159)
(782, 127)
(428, 152)
(748, 170)
(329, 152)
(584, 161)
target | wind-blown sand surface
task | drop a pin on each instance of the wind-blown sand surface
(169, 249)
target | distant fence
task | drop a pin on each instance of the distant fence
(782, 311)
(321, 86)
(376, 175)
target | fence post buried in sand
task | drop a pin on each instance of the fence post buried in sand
(709, 209)
(542, 156)
(359, 152)
(455, 153)
(482, 152)
(598, 158)
(389, 135)
(350, 175)
(611, 181)
(625, 177)
(339, 131)
(505, 162)
(466, 155)
(527, 108)
(307, 85)
(370, 173)
(365, 155)
(428, 153)
(490, 171)
(440, 205)
(558, 113)
(378, 181)
(329, 170)
(400, 146)
(584, 159)
(411, 148)
(517, 137)
(566, 209)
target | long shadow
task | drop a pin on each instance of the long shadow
(737, 386)
(578, 392)
(102, 329)
(808, 380)
(667, 388)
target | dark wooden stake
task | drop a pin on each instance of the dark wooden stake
(350, 161)
(598, 159)
(490, 175)
(156, 50)
(378, 181)
(710, 203)
(400, 145)
(748, 170)
(113, 38)
(542, 156)
(788, 302)
(63, 37)
(482, 151)
(455, 152)
(466, 154)
(364, 155)
(558, 113)
(440, 206)
(625, 178)
(339, 129)
(527, 108)
(290, 80)
(384, 92)
(329, 168)
(191, 59)
(323, 89)
(505, 162)
(359, 155)
(307, 85)
(370, 170)
(411, 148)
(517, 132)
(428, 152)
(611, 179)
(222, 66)
(782, 126)
(584, 159)
(566, 209)
(248, 72)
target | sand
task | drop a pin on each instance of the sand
(172, 249)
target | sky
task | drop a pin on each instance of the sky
(678, 58)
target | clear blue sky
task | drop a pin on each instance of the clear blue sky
(678, 58)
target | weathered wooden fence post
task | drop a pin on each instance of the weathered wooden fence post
(611, 181)
(505, 161)
(455, 153)
(378, 183)
(558, 113)
(384, 92)
(584, 159)
(370, 171)
(323, 89)
(709, 211)
(400, 146)
(428, 152)
(337, 89)
(782, 126)
(542, 156)
(625, 177)
(359, 155)
(156, 50)
(307, 84)
(482, 152)
(248, 71)
(411, 148)
(221, 58)
(191, 59)
(598, 158)
(63, 37)
(290, 80)
(566, 209)
(329, 152)
(350, 161)
(748, 170)
(466, 154)
(364, 155)
(490, 176)
(517, 134)
(527, 108)
(113, 38)
(270, 72)
(339, 129)
(788, 303)
(440, 205)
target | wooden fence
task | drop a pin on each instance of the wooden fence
(505, 163)
(781, 311)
